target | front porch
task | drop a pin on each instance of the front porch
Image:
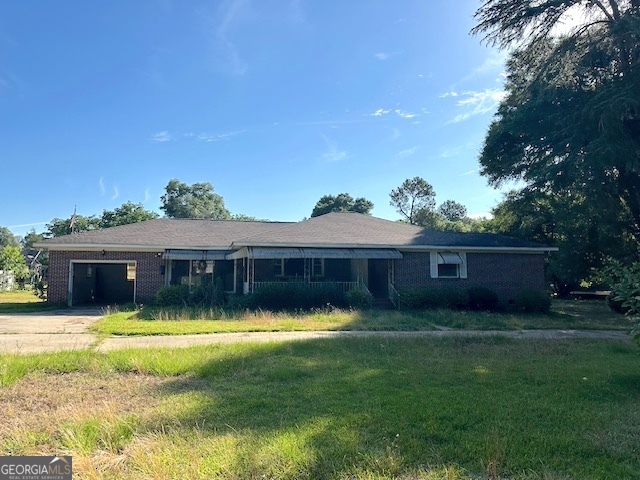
(369, 269)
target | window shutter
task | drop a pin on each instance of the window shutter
(433, 264)
(463, 265)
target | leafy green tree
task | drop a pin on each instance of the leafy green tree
(11, 259)
(128, 212)
(342, 202)
(415, 200)
(7, 238)
(452, 211)
(59, 227)
(570, 122)
(193, 201)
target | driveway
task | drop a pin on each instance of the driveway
(47, 331)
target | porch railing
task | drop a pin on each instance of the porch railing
(342, 286)
(394, 296)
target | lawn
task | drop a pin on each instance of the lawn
(335, 409)
(22, 301)
(566, 314)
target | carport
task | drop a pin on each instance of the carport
(102, 282)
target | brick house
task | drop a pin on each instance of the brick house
(129, 263)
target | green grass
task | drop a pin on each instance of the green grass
(343, 409)
(565, 314)
(155, 321)
(23, 301)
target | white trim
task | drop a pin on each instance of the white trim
(70, 283)
(433, 264)
(400, 248)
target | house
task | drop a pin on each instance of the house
(130, 263)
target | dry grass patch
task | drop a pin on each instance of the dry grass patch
(79, 412)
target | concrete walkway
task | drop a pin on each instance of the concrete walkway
(68, 330)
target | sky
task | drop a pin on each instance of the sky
(274, 102)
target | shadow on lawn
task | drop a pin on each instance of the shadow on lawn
(319, 409)
(344, 407)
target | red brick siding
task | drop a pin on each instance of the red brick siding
(506, 274)
(148, 276)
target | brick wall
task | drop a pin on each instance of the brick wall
(505, 274)
(148, 276)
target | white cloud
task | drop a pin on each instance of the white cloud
(476, 102)
(470, 172)
(147, 196)
(404, 114)
(407, 152)
(217, 137)
(116, 193)
(379, 113)
(163, 136)
(232, 11)
(395, 134)
(333, 153)
(382, 56)
(101, 185)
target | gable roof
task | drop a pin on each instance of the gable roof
(337, 229)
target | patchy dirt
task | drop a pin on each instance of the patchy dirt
(38, 405)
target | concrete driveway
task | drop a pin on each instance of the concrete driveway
(47, 331)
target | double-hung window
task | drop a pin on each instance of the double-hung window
(448, 265)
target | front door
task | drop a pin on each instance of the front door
(378, 277)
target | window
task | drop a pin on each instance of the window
(278, 267)
(317, 267)
(448, 265)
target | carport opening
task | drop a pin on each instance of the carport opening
(103, 283)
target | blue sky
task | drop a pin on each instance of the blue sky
(275, 102)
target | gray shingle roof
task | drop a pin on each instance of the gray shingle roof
(333, 229)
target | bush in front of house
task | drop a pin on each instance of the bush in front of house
(210, 294)
(358, 299)
(296, 296)
(173, 295)
(533, 301)
(482, 298)
(616, 304)
(433, 298)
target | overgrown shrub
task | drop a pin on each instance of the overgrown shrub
(616, 304)
(173, 295)
(533, 301)
(432, 298)
(482, 298)
(210, 294)
(297, 296)
(358, 299)
(624, 281)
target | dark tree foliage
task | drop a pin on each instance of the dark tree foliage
(7, 239)
(193, 201)
(59, 226)
(415, 200)
(343, 202)
(570, 123)
(584, 235)
(128, 212)
(452, 211)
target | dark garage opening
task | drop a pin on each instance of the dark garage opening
(103, 283)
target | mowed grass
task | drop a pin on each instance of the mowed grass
(332, 409)
(23, 301)
(566, 314)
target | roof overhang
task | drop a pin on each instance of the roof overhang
(195, 255)
(296, 252)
